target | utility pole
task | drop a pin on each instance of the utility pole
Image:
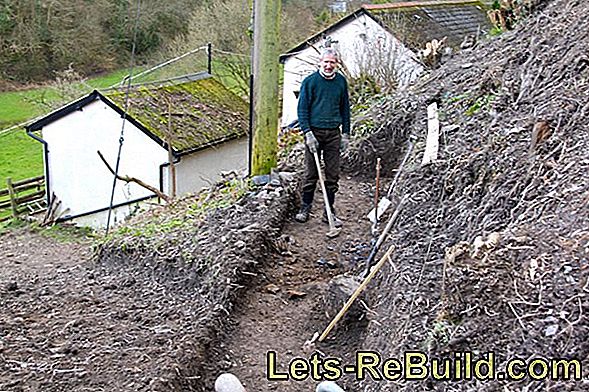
(265, 85)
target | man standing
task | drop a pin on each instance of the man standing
(323, 107)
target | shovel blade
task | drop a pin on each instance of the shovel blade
(334, 232)
(383, 204)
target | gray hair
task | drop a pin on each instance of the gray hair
(329, 52)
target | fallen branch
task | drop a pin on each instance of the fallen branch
(137, 181)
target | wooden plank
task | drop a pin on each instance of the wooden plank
(433, 135)
(28, 181)
(26, 187)
(32, 196)
(24, 199)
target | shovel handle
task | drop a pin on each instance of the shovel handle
(332, 227)
(356, 293)
(384, 233)
(399, 170)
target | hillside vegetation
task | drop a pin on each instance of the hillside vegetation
(492, 243)
(38, 40)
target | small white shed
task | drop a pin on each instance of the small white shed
(383, 39)
(205, 124)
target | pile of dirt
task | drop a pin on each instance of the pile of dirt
(492, 243)
(204, 265)
(145, 313)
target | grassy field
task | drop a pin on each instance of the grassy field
(21, 157)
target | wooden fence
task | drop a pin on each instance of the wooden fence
(24, 197)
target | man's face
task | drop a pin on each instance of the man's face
(328, 65)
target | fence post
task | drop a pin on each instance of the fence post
(12, 195)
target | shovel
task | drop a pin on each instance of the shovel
(333, 231)
(385, 202)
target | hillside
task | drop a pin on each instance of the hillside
(491, 249)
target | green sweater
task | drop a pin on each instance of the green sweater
(324, 103)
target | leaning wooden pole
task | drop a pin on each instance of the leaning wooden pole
(265, 95)
(356, 293)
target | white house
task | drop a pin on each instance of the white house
(382, 40)
(205, 124)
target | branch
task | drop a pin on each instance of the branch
(128, 179)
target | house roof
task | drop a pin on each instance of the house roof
(416, 22)
(200, 110)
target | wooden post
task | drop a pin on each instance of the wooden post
(265, 70)
(170, 137)
(433, 135)
(12, 194)
(209, 59)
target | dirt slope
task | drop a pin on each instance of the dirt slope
(128, 322)
(284, 307)
(491, 249)
(493, 241)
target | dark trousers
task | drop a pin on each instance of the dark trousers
(329, 148)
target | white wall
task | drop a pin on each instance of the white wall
(118, 215)
(203, 168)
(77, 175)
(364, 47)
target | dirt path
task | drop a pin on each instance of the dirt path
(286, 306)
(69, 323)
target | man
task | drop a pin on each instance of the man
(323, 108)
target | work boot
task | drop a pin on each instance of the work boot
(336, 221)
(303, 214)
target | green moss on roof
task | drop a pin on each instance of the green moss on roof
(202, 112)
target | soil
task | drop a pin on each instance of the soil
(490, 249)
(286, 306)
(71, 322)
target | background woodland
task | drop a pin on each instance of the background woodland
(39, 39)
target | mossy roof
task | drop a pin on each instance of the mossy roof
(190, 115)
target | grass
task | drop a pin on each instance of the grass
(21, 157)
(60, 232)
(110, 79)
(17, 107)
